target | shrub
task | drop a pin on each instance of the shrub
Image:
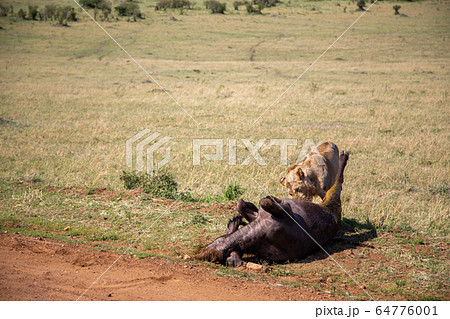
(215, 6)
(396, 8)
(62, 22)
(162, 184)
(233, 191)
(3, 11)
(21, 14)
(99, 4)
(163, 5)
(266, 3)
(32, 12)
(237, 4)
(128, 9)
(253, 9)
(106, 12)
(361, 4)
(131, 180)
(172, 4)
(64, 13)
(72, 16)
(121, 10)
(49, 11)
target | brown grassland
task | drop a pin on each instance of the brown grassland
(71, 98)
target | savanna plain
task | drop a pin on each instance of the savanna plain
(71, 97)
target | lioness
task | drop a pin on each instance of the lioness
(314, 174)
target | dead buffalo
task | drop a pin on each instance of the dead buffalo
(280, 230)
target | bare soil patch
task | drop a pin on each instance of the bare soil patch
(41, 269)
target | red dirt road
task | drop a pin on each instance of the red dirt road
(41, 269)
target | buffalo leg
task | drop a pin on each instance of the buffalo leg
(235, 260)
(247, 210)
(233, 224)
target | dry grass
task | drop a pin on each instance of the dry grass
(381, 93)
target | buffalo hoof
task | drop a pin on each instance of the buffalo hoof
(233, 224)
(235, 260)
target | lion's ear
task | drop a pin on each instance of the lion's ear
(283, 181)
(300, 173)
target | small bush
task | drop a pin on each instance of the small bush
(106, 12)
(99, 4)
(128, 9)
(361, 4)
(233, 191)
(49, 11)
(163, 5)
(21, 14)
(121, 10)
(172, 4)
(215, 6)
(237, 4)
(67, 13)
(396, 8)
(162, 184)
(32, 12)
(63, 15)
(253, 9)
(266, 3)
(131, 180)
(72, 16)
(3, 11)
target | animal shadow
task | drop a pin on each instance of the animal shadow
(352, 234)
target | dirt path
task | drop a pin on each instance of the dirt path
(41, 269)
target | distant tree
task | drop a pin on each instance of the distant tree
(396, 8)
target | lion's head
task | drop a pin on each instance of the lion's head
(298, 184)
